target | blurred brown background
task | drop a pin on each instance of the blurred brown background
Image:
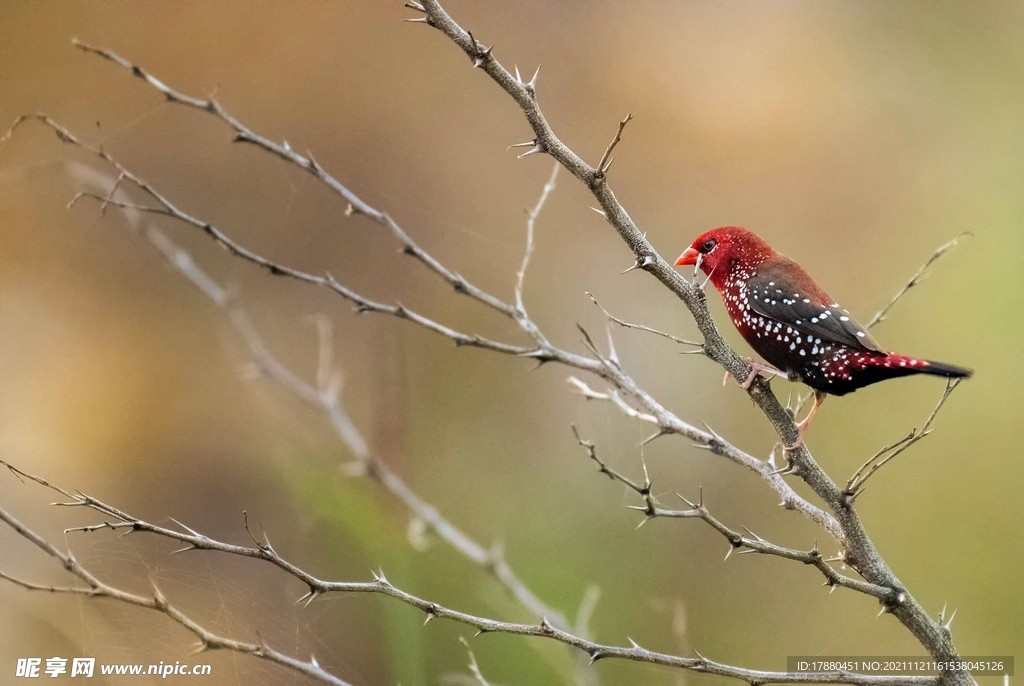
(856, 137)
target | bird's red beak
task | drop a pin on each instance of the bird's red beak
(688, 257)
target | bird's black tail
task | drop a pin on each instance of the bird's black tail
(948, 370)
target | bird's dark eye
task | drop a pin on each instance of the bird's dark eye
(708, 245)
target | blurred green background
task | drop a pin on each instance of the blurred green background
(855, 137)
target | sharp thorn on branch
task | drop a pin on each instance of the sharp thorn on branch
(642, 262)
(191, 531)
(532, 151)
(531, 85)
(481, 57)
(657, 434)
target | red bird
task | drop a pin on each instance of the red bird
(792, 323)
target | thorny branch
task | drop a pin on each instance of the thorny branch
(860, 553)
(751, 543)
(264, 551)
(94, 588)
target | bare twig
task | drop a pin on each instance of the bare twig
(641, 327)
(380, 585)
(856, 482)
(474, 668)
(607, 159)
(531, 218)
(918, 276)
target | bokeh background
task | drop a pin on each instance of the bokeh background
(855, 137)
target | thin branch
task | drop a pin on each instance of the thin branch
(381, 585)
(355, 204)
(531, 217)
(641, 327)
(917, 277)
(168, 209)
(474, 668)
(158, 602)
(856, 482)
(607, 159)
(737, 541)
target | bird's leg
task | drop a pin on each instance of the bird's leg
(755, 369)
(819, 398)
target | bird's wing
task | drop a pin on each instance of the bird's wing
(800, 303)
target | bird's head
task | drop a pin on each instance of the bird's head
(720, 250)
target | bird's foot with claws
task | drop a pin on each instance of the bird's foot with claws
(755, 369)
